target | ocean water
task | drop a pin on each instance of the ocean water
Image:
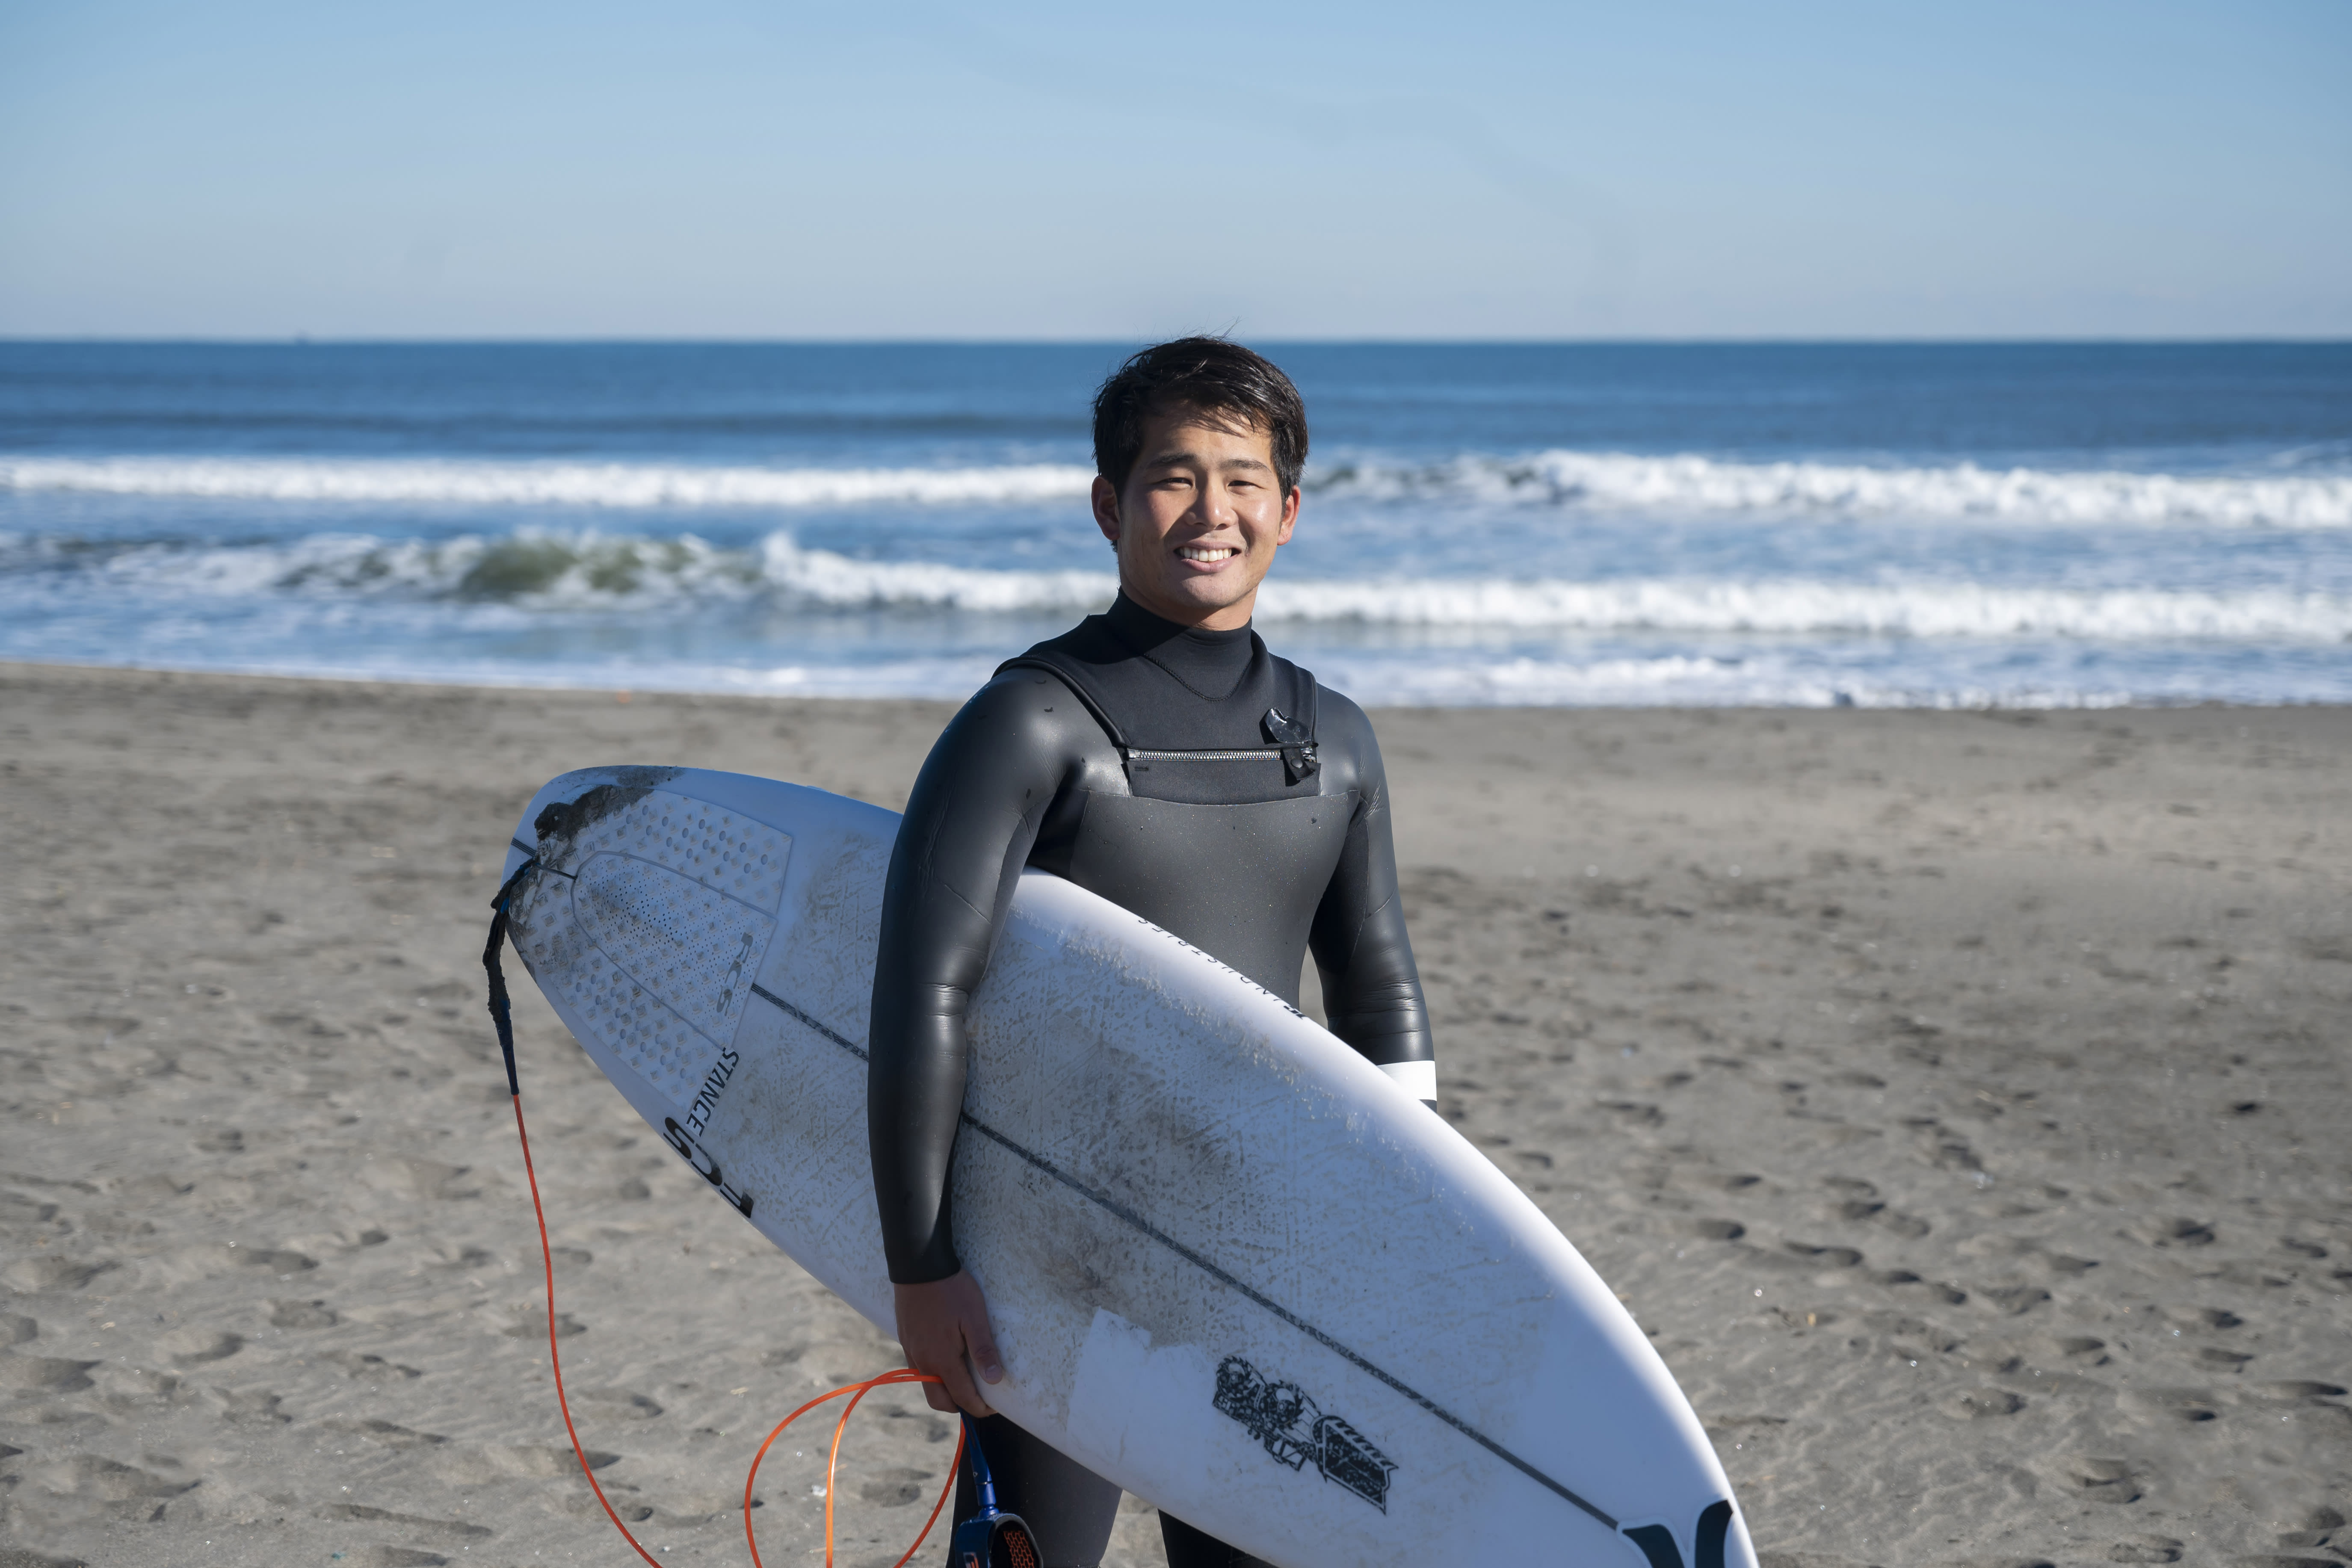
(1932, 525)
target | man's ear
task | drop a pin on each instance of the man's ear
(1106, 503)
(1289, 516)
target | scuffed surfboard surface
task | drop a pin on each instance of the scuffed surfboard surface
(1231, 1266)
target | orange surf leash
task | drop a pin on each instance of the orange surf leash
(502, 1015)
(555, 1357)
(857, 1391)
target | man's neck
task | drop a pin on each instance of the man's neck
(1233, 618)
(1211, 662)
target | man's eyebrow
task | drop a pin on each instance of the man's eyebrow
(1180, 455)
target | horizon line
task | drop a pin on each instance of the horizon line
(313, 340)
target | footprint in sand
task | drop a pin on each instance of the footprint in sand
(2041, 1353)
(429, 1181)
(2316, 1528)
(90, 1486)
(1870, 1211)
(2146, 1549)
(16, 1328)
(198, 1345)
(249, 1407)
(625, 1403)
(44, 1374)
(468, 1466)
(2210, 1318)
(391, 1435)
(2012, 1300)
(431, 1528)
(392, 1557)
(34, 1274)
(897, 1486)
(2176, 1232)
(1826, 1257)
(278, 1262)
(2099, 1480)
(2166, 1406)
(301, 1315)
(1978, 1405)
(371, 1366)
(2293, 1391)
(1903, 1280)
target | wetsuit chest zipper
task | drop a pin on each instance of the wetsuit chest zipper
(1245, 754)
(1297, 761)
(1292, 735)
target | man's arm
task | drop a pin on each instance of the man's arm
(1372, 991)
(968, 830)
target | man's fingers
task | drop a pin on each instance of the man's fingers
(980, 1345)
(944, 1327)
(964, 1391)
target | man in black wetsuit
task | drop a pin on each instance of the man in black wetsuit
(1159, 756)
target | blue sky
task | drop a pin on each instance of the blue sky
(1063, 171)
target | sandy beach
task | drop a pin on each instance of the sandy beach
(1960, 1099)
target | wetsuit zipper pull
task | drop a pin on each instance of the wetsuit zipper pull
(1298, 743)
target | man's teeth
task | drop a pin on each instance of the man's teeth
(1206, 552)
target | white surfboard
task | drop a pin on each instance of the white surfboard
(1231, 1266)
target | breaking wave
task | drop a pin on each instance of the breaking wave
(447, 482)
(591, 571)
(1677, 485)
(1690, 485)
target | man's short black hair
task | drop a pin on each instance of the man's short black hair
(1213, 375)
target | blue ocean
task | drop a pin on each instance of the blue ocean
(1878, 525)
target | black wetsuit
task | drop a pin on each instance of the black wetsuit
(1192, 777)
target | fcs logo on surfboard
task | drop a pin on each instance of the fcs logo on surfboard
(700, 1158)
(1657, 1542)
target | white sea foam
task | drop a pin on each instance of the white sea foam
(445, 482)
(1682, 485)
(1688, 485)
(535, 570)
(1912, 609)
(1676, 679)
(1789, 606)
(837, 581)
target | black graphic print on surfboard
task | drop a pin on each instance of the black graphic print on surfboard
(1281, 1416)
(1657, 1542)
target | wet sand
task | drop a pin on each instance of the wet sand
(1960, 1099)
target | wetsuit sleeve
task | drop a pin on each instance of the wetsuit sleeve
(1372, 991)
(967, 832)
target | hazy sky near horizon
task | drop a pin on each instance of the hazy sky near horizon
(259, 168)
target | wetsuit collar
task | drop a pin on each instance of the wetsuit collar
(1209, 663)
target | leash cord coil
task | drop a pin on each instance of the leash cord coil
(502, 1015)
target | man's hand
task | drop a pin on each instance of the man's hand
(943, 1329)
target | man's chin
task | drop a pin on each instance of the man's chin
(1202, 596)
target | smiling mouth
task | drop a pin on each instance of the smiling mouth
(1208, 554)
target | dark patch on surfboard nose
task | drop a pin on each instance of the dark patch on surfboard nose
(561, 821)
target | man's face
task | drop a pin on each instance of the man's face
(1198, 519)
